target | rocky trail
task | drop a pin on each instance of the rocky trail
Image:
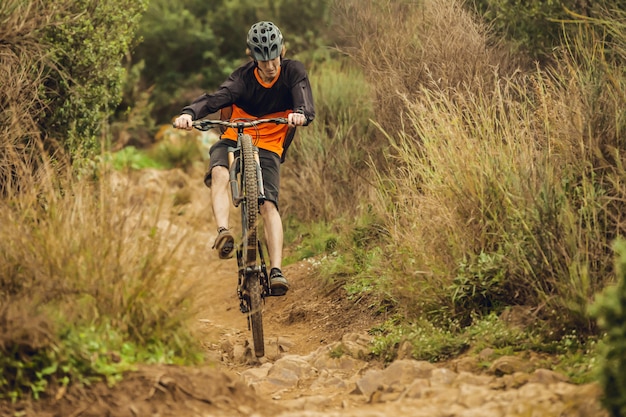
(316, 364)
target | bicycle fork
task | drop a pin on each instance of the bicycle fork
(234, 162)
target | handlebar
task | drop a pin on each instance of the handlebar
(206, 124)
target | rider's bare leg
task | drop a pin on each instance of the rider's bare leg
(219, 195)
(273, 233)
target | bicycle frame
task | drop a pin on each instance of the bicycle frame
(247, 193)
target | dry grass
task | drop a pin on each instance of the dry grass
(325, 173)
(25, 60)
(405, 46)
(80, 254)
(500, 185)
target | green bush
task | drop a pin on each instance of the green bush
(610, 310)
(62, 75)
(132, 158)
(85, 85)
(536, 26)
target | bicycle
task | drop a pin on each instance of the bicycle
(247, 193)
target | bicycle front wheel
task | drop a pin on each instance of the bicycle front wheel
(249, 212)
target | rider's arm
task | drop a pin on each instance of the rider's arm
(301, 92)
(225, 95)
(208, 103)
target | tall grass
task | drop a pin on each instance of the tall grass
(94, 277)
(326, 168)
(501, 184)
(404, 46)
(24, 60)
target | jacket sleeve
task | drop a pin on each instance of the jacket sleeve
(302, 94)
(209, 103)
(225, 95)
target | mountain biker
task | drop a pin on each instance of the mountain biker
(267, 86)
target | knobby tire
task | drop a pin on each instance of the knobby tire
(249, 212)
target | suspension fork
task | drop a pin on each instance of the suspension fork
(234, 164)
(259, 175)
(235, 167)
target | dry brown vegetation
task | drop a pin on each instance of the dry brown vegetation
(90, 264)
(24, 63)
(498, 183)
(406, 46)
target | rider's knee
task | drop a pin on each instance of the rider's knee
(219, 175)
(268, 207)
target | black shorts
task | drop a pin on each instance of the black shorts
(270, 167)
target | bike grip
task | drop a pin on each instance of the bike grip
(193, 124)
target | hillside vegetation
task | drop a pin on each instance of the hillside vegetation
(460, 169)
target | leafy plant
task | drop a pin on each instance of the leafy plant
(609, 309)
(428, 342)
(133, 158)
(479, 285)
(309, 240)
(90, 35)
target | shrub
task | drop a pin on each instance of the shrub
(610, 310)
(536, 26)
(62, 74)
(89, 44)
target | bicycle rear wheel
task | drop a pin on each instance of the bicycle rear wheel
(249, 212)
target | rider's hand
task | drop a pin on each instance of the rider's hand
(184, 121)
(296, 119)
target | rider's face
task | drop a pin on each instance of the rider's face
(269, 69)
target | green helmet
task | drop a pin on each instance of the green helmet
(265, 41)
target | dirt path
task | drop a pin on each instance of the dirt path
(302, 321)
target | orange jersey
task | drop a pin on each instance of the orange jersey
(251, 98)
(268, 136)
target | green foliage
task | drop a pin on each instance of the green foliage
(609, 309)
(85, 85)
(428, 342)
(179, 50)
(479, 285)
(309, 240)
(346, 254)
(82, 355)
(25, 372)
(437, 342)
(536, 26)
(133, 158)
(164, 155)
(578, 359)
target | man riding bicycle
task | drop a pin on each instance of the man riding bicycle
(268, 86)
